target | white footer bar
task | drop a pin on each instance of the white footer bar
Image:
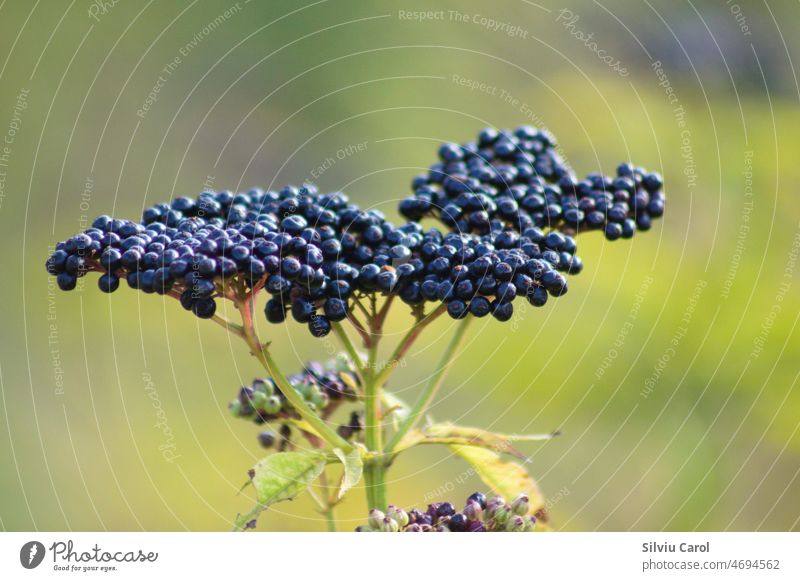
(376, 556)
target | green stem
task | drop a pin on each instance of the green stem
(262, 353)
(374, 470)
(405, 344)
(340, 332)
(329, 505)
(330, 520)
(434, 383)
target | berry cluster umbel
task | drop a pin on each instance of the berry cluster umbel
(479, 515)
(509, 203)
(516, 179)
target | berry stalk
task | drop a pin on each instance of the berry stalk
(406, 342)
(344, 339)
(431, 388)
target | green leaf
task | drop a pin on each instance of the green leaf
(505, 477)
(353, 469)
(282, 477)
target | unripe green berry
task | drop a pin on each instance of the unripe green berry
(376, 518)
(515, 524)
(303, 389)
(317, 397)
(399, 515)
(258, 400)
(236, 408)
(389, 525)
(521, 504)
(261, 386)
(501, 514)
(273, 405)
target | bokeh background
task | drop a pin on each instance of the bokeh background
(671, 367)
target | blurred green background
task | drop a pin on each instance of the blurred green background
(671, 367)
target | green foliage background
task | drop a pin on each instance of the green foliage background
(265, 96)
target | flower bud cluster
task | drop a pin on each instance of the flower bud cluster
(479, 515)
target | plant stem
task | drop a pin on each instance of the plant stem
(374, 469)
(232, 327)
(431, 388)
(406, 342)
(340, 332)
(330, 519)
(262, 353)
(330, 506)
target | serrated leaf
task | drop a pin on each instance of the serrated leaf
(353, 469)
(447, 433)
(505, 477)
(281, 477)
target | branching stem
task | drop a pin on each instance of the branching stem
(431, 388)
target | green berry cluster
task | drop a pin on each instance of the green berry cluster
(322, 387)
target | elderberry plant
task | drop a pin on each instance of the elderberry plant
(509, 209)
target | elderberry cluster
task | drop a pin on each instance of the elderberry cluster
(510, 204)
(482, 275)
(479, 515)
(517, 180)
(321, 387)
